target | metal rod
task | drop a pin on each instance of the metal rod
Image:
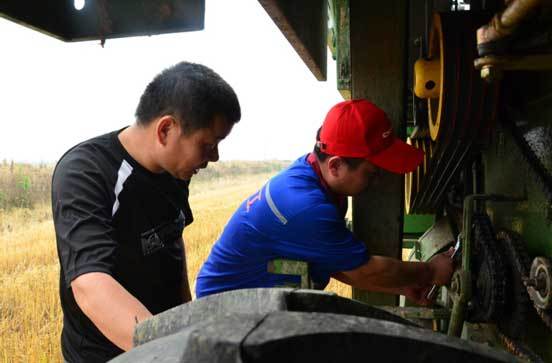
(506, 22)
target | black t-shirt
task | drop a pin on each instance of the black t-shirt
(112, 215)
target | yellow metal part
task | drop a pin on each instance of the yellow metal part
(407, 192)
(420, 169)
(427, 147)
(408, 185)
(436, 54)
(412, 181)
(427, 78)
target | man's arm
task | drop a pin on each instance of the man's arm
(186, 294)
(417, 295)
(113, 310)
(389, 275)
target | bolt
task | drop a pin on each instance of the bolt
(490, 73)
(454, 286)
(529, 282)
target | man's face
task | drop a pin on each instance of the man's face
(186, 153)
(349, 181)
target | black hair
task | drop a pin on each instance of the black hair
(193, 93)
(352, 163)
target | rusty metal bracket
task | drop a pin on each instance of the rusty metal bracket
(492, 67)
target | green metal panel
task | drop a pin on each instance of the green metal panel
(417, 223)
(340, 44)
(507, 172)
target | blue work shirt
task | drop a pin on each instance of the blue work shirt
(292, 217)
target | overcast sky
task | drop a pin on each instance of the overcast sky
(55, 94)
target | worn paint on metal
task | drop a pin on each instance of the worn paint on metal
(343, 48)
(291, 267)
(305, 26)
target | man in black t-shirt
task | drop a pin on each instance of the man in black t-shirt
(120, 204)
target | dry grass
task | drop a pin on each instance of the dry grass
(24, 185)
(30, 313)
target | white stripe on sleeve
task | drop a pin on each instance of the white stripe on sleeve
(122, 175)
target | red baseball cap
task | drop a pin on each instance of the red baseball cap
(360, 129)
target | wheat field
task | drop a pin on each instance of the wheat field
(30, 312)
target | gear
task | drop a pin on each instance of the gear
(488, 277)
(538, 288)
(513, 322)
(540, 283)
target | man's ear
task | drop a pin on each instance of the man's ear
(334, 165)
(164, 126)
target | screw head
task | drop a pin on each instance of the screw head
(491, 73)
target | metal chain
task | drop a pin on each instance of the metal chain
(514, 346)
(519, 349)
(494, 280)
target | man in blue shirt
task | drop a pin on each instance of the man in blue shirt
(299, 215)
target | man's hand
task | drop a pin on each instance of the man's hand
(417, 295)
(389, 275)
(442, 267)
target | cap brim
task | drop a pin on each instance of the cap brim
(399, 158)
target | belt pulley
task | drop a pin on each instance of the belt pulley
(461, 107)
